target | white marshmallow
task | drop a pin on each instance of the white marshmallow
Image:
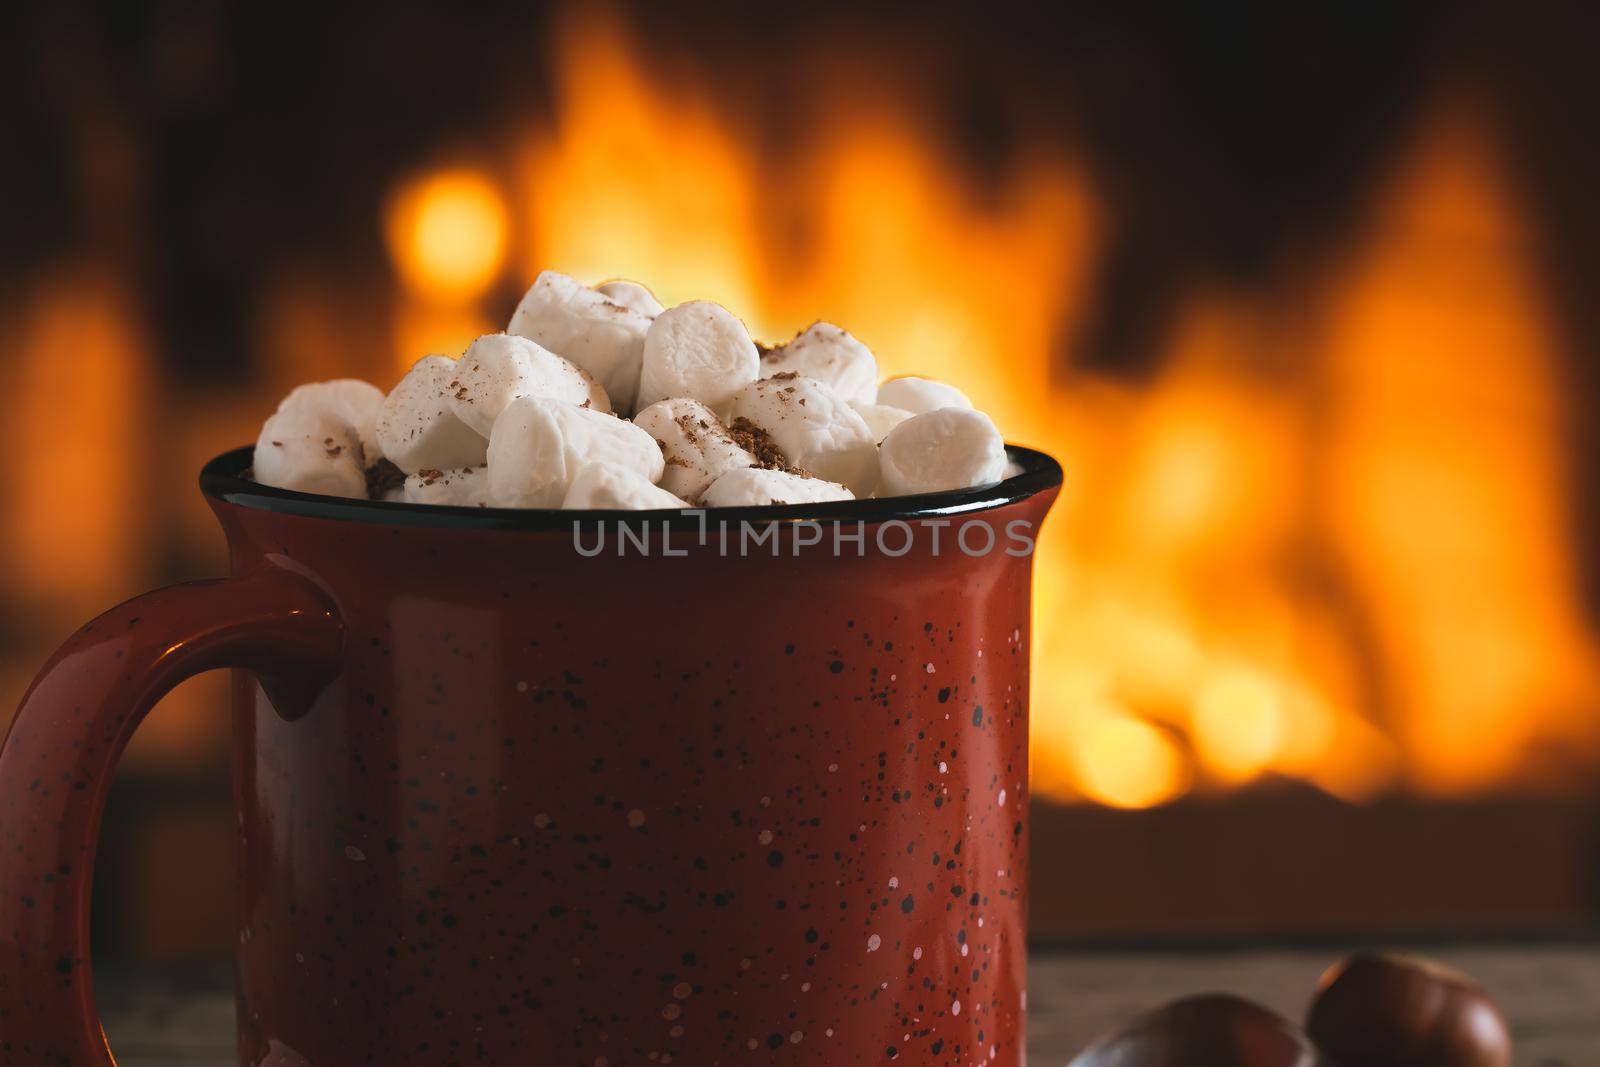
(918, 395)
(631, 295)
(756, 486)
(499, 367)
(539, 445)
(951, 448)
(464, 487)
(698, 350)
(607, 485)
(417, 427)
(312, 452)
(354, 402)
(830, 355)
(588, 329)
(696, 447)
(880, 418)
(815, 429)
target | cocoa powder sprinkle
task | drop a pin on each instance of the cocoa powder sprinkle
(758, 442)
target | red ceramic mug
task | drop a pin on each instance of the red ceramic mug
(535, 787)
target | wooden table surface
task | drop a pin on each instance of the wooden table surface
(1550, 993)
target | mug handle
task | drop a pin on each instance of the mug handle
(58, 758)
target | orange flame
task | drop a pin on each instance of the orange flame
(1448, 488)
(79, 401)
(447, 232)
(1353, 572)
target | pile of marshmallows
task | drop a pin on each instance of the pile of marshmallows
(539, 416)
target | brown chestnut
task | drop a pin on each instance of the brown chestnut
(1385, 1010)
(1214, 1030)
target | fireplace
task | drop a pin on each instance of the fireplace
(1315, 650)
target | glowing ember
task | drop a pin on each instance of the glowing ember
(1237, 725)
(447, 234)
(1127, 763)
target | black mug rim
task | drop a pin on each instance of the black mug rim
(223, 479)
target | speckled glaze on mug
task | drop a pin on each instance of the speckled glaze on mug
(502, 803)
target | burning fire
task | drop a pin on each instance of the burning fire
(1353, 569)
(1329, 541)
